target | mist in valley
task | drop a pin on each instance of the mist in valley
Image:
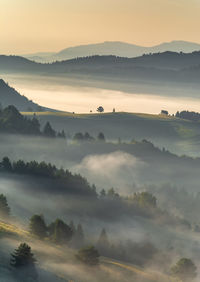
(100, 196)
(154, 242)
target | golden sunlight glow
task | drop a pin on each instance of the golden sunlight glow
(49, 25)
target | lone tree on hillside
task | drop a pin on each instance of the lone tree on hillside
(23, 259)
(88, 255)
(38, 226)
(100, 109)
(184, 269)
(4, 208)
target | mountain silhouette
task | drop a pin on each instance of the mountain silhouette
(116, 48)
(169, 67)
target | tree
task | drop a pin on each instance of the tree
(145, 199)
(79, 236)
(61, 232)
(101, 137)
(23, 259)
(78, 137)
(112, 194)
(35, 125)
(184, 269)
(61, 134)
(100, 109)
(88, 255)
(48, 130)
(103, 193)
(88, 137)
(4, 208)
(38, 226)
(103, 238)
(6, 164)
(103, 244)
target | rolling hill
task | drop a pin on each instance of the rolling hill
(168, 74)
(178, 135)
(168, 66)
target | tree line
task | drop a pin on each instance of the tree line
(86, 137)
(193, 116)
(68, 182)
(12, 121)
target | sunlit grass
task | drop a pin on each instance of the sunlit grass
(66, 114)
(12, 229)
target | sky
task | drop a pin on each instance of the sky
(28, 26)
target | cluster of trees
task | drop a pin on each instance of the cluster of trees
(86, 137)
(65, 180)
(58, 231)
(11, 121)
(194, 116)
(139, 253)
(61, 233)
(144, 199)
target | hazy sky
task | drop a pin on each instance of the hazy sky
(50, 25)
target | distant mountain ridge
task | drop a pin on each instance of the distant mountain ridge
(115, 48)
(117, 73)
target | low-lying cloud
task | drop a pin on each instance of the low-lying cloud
(117, 169)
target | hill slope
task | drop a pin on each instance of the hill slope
(9, 96)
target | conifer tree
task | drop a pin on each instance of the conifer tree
(38, 226)
(48, 130)
(62, 233)
(22, 259)
(4, 208)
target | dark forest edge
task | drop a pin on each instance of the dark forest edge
(142, 204)
(11, 121)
